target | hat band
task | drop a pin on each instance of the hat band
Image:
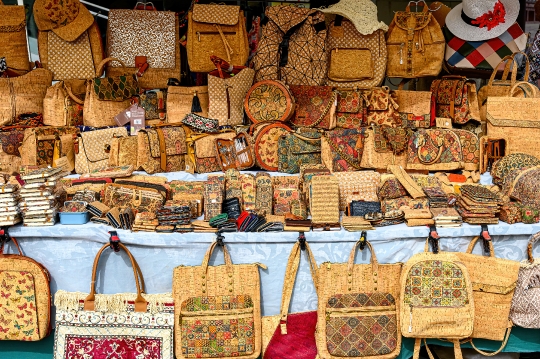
(468, 20)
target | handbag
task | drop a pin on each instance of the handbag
(226, 96)
(414, 107)
(479, 58)
(154, 56)
(23, 94)
(425, 315)
(297, 149)
(95, 323)
(225, 299)
(69, 60)
(291, 335)
(315, 106)
(351, 108)
(63, 103)
(357, 299)
(362, 185)
(218, 30)
(354, 59)
(37, 147)
(415, 44)
(13, 37)
(292, 47)
(107, 97)
(524, 311)
(92, 148)
(181, 101)
(266, 140)
(202, 153)
(382, 108)
(375, 152)
(140, 199)
(455, 98)
(502, 87)
(338, 149)
(493, 282)
(269, 100)
(515, 119)
(26, 297)
(161, 149)
(123, 151)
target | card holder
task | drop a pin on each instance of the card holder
(114, 217)
(235, 153)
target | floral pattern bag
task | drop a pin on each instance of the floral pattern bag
(382, 107)
(455, 98)
(162, 149)
(315, 106)
(351, 111)
(435, 150)
(339, 150)
(298, 148)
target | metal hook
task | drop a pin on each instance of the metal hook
(433, 239)
(302, 240)
(486, 238)
(114, 241)
(363, 240)
(219, 239)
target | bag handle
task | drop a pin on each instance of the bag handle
(418, 343)
(72, 95)
(473, 243)
(521, 84)
(506, 337)
(508, 63)
(373, 261)
(14, 242)
(326, 110)
(228, 265)
(511, 66)
(436, 159)
(290, 277)
(402, 84)
(307, 139)
(140, 302)
(101, 67)
(416, 3)
(534, 238)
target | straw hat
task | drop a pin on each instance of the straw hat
(479, 20)
(362, 13)
(67, 18)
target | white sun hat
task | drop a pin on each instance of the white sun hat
(479, 20)
(362, 13)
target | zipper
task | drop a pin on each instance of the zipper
(211, 314)
(401, 53)
(199, 33)
(411, 312)
(351, 312)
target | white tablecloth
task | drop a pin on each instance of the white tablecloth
(68, 253)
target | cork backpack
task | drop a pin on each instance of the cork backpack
(436, 298)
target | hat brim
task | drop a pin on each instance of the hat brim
(364, 25)
(74, 29)
(467, 32)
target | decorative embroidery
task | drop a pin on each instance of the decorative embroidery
(435, 284)
(360, 334)
(382, 109)
(201, 123)
(470, 147)
(11, 141)
(397, 138)
(351, 111)
(219, 337)
(268, 102)
(264, 193)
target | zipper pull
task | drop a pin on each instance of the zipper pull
(410, 320)
(198, 36)
(401, 53)
(327, 316)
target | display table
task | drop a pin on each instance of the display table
(68, 253)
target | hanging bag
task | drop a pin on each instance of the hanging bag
(13, 37)
(356, 299)
(291, 335)
(455, 97)
(98, 322)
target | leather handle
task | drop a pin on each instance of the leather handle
(162, 149)
(16, 245)
(435, 160)
(140, 302)
(101, 67)
(408, 8)
(534, 238)
(72, 95)
(473, 243)
(373, 261)
(206, 260)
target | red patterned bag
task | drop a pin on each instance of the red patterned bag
(455, 98)
(382, 108)
(351, 111)
(315, 106)
(339, 149)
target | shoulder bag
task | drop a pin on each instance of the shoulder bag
(291, 335)
(355, 299)
(455, 98)
(339, 151)
(266, 139)
(37, 147)
(95, 323)
(63, 103)
(298, 148)
(376, 152)
(414, 108)
(269, 100)
(123, 151)
(92, 148)
(315, 106)
(161, 149)
(13, 37)
(225, 299)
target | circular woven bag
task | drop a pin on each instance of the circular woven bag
(269, 100)
(266, 144)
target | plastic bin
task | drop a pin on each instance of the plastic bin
(74, 217)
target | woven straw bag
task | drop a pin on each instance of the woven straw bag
(363, 294)
(91, 149)
(71, 60)
(409, 57)
(33, 310)
(226, 298)
(291, 335)
(23, 94)
(62, 105)
(436, 299)
(324, 200)
(502, 87)
(516, 119)
(13, 37)
(525, 310)
(493, 282)
(363, 185)
(218, 30)
(180, 102)
(355, 60)
(134, 38)
(122, 318)
(100, 113)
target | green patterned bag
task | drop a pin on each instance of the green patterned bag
(298, 149)
(117, 88)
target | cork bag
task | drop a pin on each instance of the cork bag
(493, 282)
(181, 102)
(363, 294)
(30, 319)
(436, 298)
(525, 310)
(13, 36)
(161, 149)
(92, 149)
(218, 30)
(225, 299)
(415, 44)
